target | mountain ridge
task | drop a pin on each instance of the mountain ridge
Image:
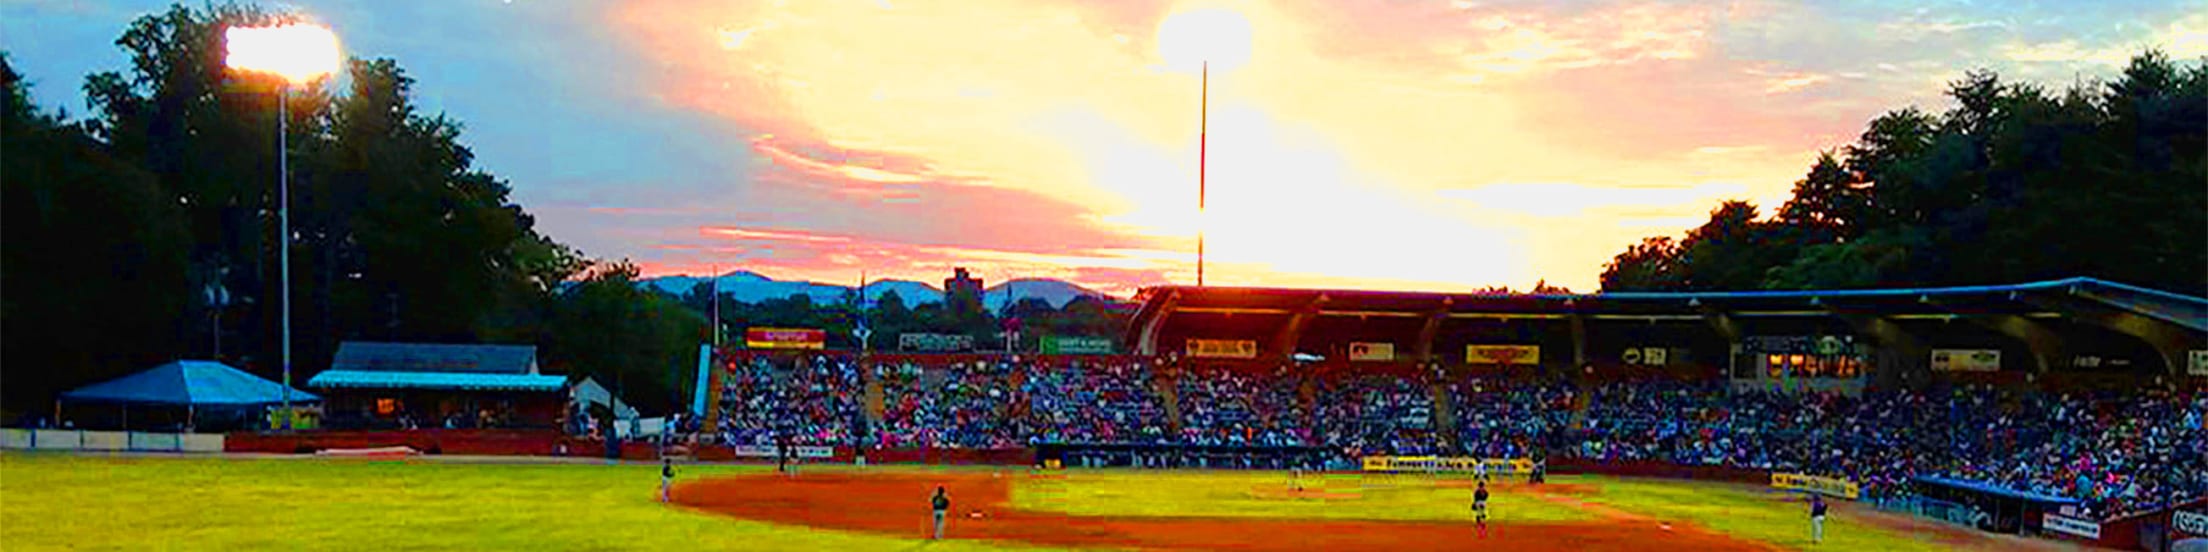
(752, 287)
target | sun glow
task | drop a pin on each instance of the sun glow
(1219, 37)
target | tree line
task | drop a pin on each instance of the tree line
(2014, 182)
(145, 231)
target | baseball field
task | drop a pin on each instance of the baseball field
(53, 501)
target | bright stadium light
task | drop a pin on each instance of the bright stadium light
(300, 53)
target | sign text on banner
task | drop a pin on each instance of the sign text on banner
(1827, 486)
(785, 338)
(1064, 345)
(1966, 360)
(1222, 348)
(935, 343)
(1502, 354)
(769, 451)
(1447, 464)
(2072, 526)
(1372, 352)
(2190, 523)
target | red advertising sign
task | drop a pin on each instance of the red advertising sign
(785, 338)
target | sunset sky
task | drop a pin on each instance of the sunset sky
(1432, 145)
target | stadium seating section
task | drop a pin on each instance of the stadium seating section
(2115, 451)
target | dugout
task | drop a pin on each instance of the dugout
(1987, 506)
(1125, 455)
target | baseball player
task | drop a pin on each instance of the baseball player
(1816, 518)
(942, 503)
(1479, 470)
(1479, 504)
(666, 479)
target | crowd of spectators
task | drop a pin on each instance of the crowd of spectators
(1227, 407)
(1094, 401)
(811, 401)
(2116, 452)
(1509, 419)
(963, 405)
(1377, 415)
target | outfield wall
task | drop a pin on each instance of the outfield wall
(117, 441)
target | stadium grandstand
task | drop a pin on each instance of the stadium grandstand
(2086, 394)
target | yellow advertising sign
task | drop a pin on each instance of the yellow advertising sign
(1447, 464)
(1502, 354)
(1222, 348)
(1372, 352)
(1827, 486)
(1966, 360)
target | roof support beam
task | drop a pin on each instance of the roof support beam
(1905, 354)
(1284, 342)
(1146, 332)
(2048, 349)
(1722, 323)
(2170, 341)
(1579, 340)
(1424, 348)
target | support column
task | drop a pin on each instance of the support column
(1424, 348)
(1579, 340)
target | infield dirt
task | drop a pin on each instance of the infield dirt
(897, 504)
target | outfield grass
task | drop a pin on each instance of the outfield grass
(55, 502)
(1743, 513)
(1154, 493)
(50, 502)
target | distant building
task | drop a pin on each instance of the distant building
(962, 292)
(438, 385)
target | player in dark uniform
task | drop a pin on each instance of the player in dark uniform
(1816, 518)
(1479, 504)
(942, 504)
(666, 479)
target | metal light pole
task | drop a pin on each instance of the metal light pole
(283, 227)
(1203, 154)
(298, 53)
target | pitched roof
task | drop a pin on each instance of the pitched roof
(435, 357)
(384, 379)
(189, 382)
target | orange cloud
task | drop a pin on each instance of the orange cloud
(1034, 134)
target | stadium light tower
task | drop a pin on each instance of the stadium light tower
(300, 54)
(1199, 38)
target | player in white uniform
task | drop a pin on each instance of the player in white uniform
(1479, 470)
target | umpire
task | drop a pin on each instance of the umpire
(942, 504)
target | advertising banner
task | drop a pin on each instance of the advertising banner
(1646, 356)
(1828, 486)
(1502, 354)
(1222, 348)
(785, 338)
(1966, 360)
(1447, 464)
(2190, 523)
(2072, 526)
(1372, 352)
(2196, 363)
(1063, 345)
(935, 343)
(768, 451)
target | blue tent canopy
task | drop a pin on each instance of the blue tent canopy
(189, 383)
